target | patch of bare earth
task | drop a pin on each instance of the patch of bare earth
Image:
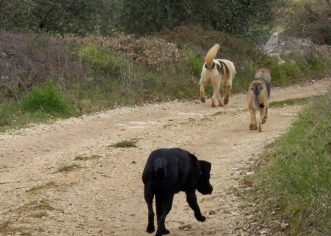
(68, 178)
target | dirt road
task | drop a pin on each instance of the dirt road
(65, 178)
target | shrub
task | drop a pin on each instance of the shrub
(100, 59)
(311, 19)
(231, 16)
(47, 98)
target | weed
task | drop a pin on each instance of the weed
(85, 158)
(40, 214)
(125, 144)
(68, 168)
(43, 186)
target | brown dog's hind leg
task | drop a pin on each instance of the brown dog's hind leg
(265, 115)
(252, 125)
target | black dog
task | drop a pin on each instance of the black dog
(167, 172)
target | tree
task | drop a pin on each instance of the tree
(232, 16)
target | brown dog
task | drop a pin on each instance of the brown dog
(258, 97)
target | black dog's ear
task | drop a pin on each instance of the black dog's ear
(205, 166)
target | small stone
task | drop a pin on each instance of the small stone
(212, 212)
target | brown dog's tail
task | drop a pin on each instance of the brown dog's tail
(211, 55)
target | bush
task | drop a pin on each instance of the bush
(230, 16)
(47, 98)
(311, 19)
(100, 59)
(56, 17)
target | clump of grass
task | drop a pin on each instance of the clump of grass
(43, 186)
(100, 59)
(68, 168)
(291, 102)
(125, 144)
(41, 205)
(85, 158)
(47, 98)
(40, 214)
(298, 176)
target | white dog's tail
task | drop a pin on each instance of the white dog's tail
(211, 55)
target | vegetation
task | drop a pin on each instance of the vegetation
(85, 158)
(297, 177)
(67, 168)
(125, 144)
(291, 102)
(310, 19)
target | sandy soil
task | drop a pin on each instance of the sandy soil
(103, 194)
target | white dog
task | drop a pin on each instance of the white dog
(218, 72)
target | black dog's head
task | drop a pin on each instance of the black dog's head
(203, 185)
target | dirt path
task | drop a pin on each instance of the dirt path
(103, 194)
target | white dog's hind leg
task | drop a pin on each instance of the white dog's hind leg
(204, 81)
(217, 99)
(227, 94)
(202, 94)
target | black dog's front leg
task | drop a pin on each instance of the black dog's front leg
(191, 198)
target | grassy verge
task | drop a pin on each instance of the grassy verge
(297, 176)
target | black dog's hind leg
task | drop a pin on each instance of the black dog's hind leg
(149, 195)
(191, 198)
(163, 207)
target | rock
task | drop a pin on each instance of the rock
(280, 45)
(272, 43)
(212, 212)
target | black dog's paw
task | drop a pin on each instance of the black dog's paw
(200, 218)
(150, 229)
(165, 231)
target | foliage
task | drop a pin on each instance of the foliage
(236, 16)
(298, 175)
(311, 19)
(46, 98)
(59, 17)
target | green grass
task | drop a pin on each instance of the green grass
(46, 98)
(125, 144)
(297, 177)
(42, 103)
